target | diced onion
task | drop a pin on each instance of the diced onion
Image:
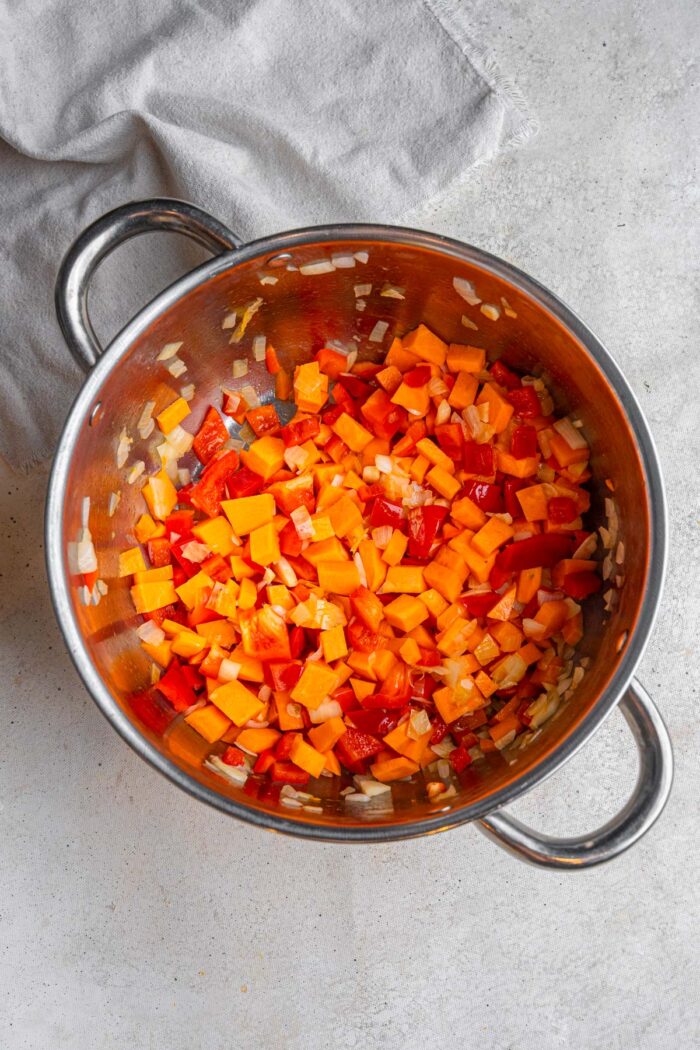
(362, 257)
(491, 311)
(418, 724)
(468, 323)
(326, 710)
(229, 670)
(259, 347)
(268, 279)
(391, 291)
(384, 464)
(343, 261)
(196, 552)
(177, 368)
(150, 633)
(444, 411)
(237, 774)
(168, 351)
(466, 289)
(378, 332)
(286, 573)
(240, 368)
(381, 536)
(250, 394)
(360, 304)
(361, 290)
(85, 511)
(573, 437)
(123, 446)
(229, 321)
(319, 266)
(145, 424)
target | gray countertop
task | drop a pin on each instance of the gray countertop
(133, 916)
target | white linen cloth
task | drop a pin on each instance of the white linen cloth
(270, 114)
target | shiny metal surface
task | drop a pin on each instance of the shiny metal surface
(102, 237)
(632, 822)
(299, 314)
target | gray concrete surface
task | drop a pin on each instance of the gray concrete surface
(132, 916)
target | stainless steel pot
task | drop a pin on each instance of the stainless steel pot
(300, 312)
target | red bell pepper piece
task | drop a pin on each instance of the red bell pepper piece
(440, 730)
(355, 387)
(288, 773)
(376, 722)
(511, 486)
(488, 497)
(159, 553)
(299, 431)
(525, 402)
(210, 437)
(179, 523)
(332, 414)
(460, 758)
(421, 685)
(331, 362)
(478, 459)
(345, 696)
(368, 492)
(344, 399)
(505, 376)
(367, 607)
(418, 376)
(268, 792)
(264, 634)
(283, 677)
(233, 756)
(384, 512)
(561, 510)
(479, 604)
(289, 541)
(361, 638)
(429, 657)
(264, 761)
(152, 711)
(354, 746)
(217, 567)
(283, 747)
(395, 692)
(423, 526)
(175, 687)
(579, 585)
(544, 551)
(263, 420)
(383, 417)
(297, 642)
(211, 487)
(497, 577)
(451, 440)
(524, 442)
(244, 483)
(467, 724)
(190, 568)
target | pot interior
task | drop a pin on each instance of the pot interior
(301, 312)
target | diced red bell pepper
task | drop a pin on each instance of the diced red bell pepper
(525, 402)
(561, 510)
(288, 773)
(418, 376)
(488, 497)
(511, 486)
(503, 375)
(244, 483)
(497, 577)
(423, 526)
(361, 638)
(159, 553)
(179, 523)
(579, 585)
(263, 420)
(210, 437)
(190, 568)
(451, 440)
(376, 722)
(252, 787)
(440, 730)
(268, 792)
(355, 387)
(395, 691)
(299, 431)
(295, 492)
(175, 687)
(467, 724)
(152, 711)
(193, 677)
(282, 677)
(384, 512)
(383, 417)
(345, 696)
(478, 459)
(421, 685)
(460, 758)
(283, 747)
(479, 604)
(331, 362)
(217, 567)
(523, 443)
(212, 486)
(368, 492)
(354, 745)
(264, 761)
(344, 399)
(297, 642)
(429, 657)
(332, 414)
(336, 449)
(544, 550)
(233, 756)
(290, 541)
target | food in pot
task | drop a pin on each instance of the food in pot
(390, 581)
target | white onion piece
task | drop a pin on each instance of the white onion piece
(177, 368)
(114, 498)
(343, 261)
(123, 446)
(573, 437)
(240, 368)
(466, 290)
(150, 633)
(491, 311)
(362, 257)
(286, 573)
(196, 552)
(168, 351)
(259, 347)
(313, 268)
(229, 670)
(391, 291)
(326, 710)
(361, 290)
(85, 511)
(378, 332)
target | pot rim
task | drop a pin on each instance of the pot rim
(273, 245)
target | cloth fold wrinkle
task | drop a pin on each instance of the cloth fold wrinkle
(268, 115)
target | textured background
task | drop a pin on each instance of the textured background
(132, 916)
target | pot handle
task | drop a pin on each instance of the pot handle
(627, 827)
(101, 237)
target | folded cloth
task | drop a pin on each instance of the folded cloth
(268, 114)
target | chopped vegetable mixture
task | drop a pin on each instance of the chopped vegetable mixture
(389, 581)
